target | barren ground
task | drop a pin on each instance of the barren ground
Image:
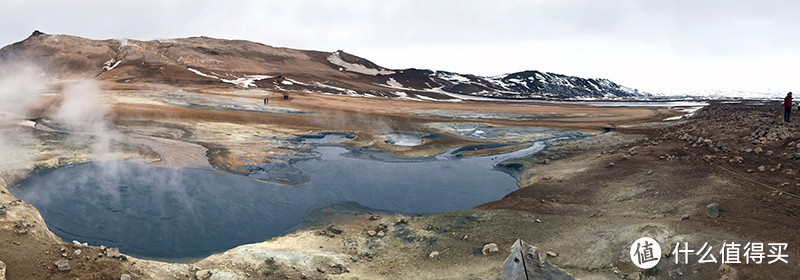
(572, 202)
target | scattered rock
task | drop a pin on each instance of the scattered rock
(113, 253)
(2, 270)
(712, 210)
(77, 252)
(203, 274)
(371, 233)
(758, 150)
(726, 272)
(125, 277)
(546, 177)
(489, 249)
(334, 230)
(62, 265)
(381, 234)
(649, 171)
(769, 153)
(538, 221)
(551, 254)
(374, 217)
(433, 254)
(685, 217)
(610, 164)
(402, 221)
(762, 168)
(2, 209)
(748, 150)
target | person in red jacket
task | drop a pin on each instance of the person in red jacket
(787, 106)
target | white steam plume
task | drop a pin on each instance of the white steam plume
(82, 111)
(19, 84)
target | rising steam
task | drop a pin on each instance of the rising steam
(19, 84)
(83, 112)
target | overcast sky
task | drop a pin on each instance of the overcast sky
(656, 46)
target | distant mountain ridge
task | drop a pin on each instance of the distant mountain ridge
(209, 62)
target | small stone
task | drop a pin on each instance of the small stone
(769, 153)
(433, 254)
(334, 230)
(748, 150)
(374, 217)
(76, 244)
(203, 274)
(758, 150)
(489, 249)
(649, 171)
(538, 221)
(62, 264)
(610, 164)
(712, 210)
(2, 209)
(685, 217)
(113, 253)
(762, 168)
(381, 234)
(2, 270)
(371, 233)
(125, 277)
(402, 221)
(551, 254)
(77, 252)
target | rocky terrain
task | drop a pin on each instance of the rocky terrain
(209, 62)
(725, 174)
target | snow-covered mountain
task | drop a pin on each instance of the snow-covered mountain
(208, 62)
(535, 84)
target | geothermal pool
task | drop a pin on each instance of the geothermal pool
(173, 214)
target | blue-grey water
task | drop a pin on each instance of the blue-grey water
(165, 213)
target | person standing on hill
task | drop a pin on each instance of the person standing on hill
(787, 106)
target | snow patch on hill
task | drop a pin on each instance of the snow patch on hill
(336, 59)
(246, 81)
(109, 65)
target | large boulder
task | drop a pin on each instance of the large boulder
(526, 262)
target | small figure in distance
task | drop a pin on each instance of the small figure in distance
(266, 100)
(787, 106)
